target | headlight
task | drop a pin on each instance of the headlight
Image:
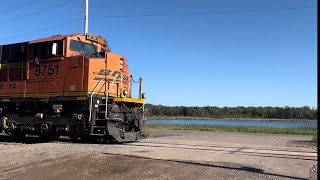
(143, 95)
(124, 92)
(39, 115)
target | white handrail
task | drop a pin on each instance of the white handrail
(106, 113)
(90, 108)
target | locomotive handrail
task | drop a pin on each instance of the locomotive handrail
(90, 107)
(107, 94)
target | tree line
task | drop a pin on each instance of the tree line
(286, 112)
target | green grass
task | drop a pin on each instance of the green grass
(240, 129)
(314, 139)
(209, 118)
(150, 134)
(175, 117)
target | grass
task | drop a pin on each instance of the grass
(209, 118)
(150, 134)
(176, 117)
(240, 129)
(314, 139)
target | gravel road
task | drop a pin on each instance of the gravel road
(170, 155)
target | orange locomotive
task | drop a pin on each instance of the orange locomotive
(68, 85)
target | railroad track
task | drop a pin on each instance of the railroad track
(303, 154)
(244, 156)
(287, 153)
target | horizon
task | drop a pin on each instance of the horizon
(314, 108)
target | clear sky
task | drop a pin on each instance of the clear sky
(193, 52)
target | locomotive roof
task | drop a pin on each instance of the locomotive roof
(52, 38)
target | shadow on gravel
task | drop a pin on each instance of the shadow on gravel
(258, 154)
(228, 146)
(240, 168)
(306, 144)
(26, 140)
(63, 139)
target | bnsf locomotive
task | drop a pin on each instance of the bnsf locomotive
(69, 85)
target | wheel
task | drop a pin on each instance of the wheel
(17, 136)
(49, 137)
(87, 138)
(74, 137)
(55, 137)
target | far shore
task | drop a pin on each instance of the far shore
(208, 118)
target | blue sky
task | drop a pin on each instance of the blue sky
(193, 52)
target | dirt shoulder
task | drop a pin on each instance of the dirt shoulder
(170, 155)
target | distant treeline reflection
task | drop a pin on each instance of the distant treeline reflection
(233, 112)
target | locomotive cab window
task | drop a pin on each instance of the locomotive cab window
(14, 52)
(48, 49)
(83, 47)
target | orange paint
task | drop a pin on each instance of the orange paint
(68, 74)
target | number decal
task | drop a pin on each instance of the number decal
(44, 67)
(50, 70)
(37, 72)
(57, 68)
(46, 70)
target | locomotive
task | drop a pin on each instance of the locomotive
(70, 85)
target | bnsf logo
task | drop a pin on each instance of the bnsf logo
(113, 74)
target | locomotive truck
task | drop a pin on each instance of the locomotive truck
(69, 85)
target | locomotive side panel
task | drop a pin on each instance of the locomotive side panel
(12, 89)
(113, 71)
(73, 74)
(45, 78)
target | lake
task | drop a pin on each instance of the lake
(286, 124)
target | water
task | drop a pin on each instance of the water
(286, 124)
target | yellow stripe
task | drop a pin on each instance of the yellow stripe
(44, 95)
(13, 65)
(4, 100)
(133, 100)
(31, 95)
(81, 98)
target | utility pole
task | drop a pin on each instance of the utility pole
(86, 17)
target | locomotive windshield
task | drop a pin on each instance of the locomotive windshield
(83, 47)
